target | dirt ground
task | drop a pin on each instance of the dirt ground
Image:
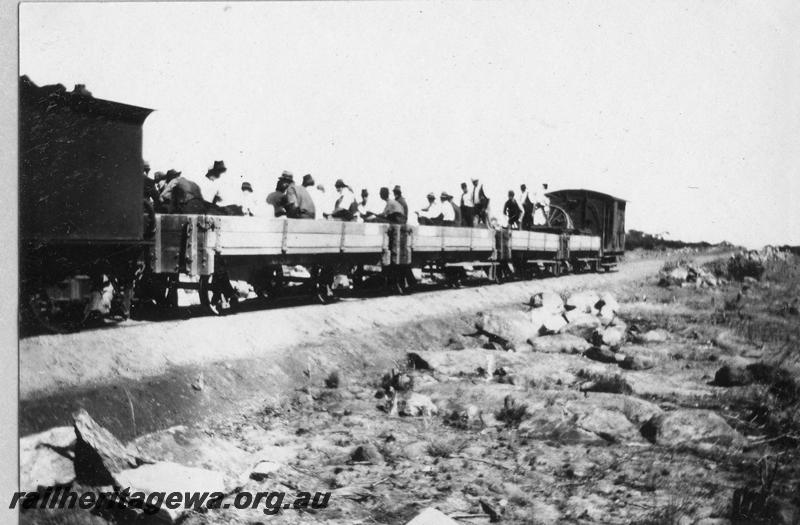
(392, 407)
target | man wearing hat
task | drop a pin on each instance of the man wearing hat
(182, 195)
(296, 201)
(220, 194)
(430, 214)
(398, 196)
(317, 196)
(451, 214)
(392, 212)
(512, 211)
(346, 207)
(480, 202)
(249, 205)
(363, 207)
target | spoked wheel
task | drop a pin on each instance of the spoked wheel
(216, 294)
(558, 218)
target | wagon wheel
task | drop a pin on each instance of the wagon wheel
(558, 218)
(270, 282)
(322, 282)
(217, 294)
(44, 314)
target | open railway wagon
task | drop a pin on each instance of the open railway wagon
(597, 240)
(214, 250)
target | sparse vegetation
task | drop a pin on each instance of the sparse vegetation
(332, 381)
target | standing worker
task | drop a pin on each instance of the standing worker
(512, 211)
(527, 207)
(398, 196)
(480, 202)
(467, 210)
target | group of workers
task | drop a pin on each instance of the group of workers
(171, 192)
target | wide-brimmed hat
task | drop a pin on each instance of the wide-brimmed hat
(340, 183)
(431, 195)
(218, 167)
(445, 195)
(397, 189)
(364, 192)
(172, 174)
(159, 176)
(308, 180)
(287, 176)
(247, 187)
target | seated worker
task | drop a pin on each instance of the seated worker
(346, 207)
(274, 200)
(451, 214)
(392, 212)
(182, 195)
(249, 205)
(512, 210)
(430, 214)
(220, 192)
(296, 202)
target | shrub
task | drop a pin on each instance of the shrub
(332, 381)
(741, 266)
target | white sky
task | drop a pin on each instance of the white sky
(690, 110)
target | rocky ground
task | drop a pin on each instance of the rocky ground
(669, 398)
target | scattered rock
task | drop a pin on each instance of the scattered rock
(544, 322)
(583, 301)
(194, 448)
(610, 425)
(637, 362)
(613, 336)
(45, 459)
(602, 354)
(580, 324)
(652, 336)
(562, 343)
(607, 314)
(98, 454)
(368, 453)
(508, 326)
(733, 375)
(549, 301)
(415, 450)
(416, 405)
(166, 477)
(608, 302)
(687, 427)
(546, 513)
(263, 470)
(432, 516)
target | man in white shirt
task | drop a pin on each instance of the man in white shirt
(541, 207)
(346, 207)
(527, 206)
(219, 193)
(317, 195)
(249, 204)
(451, 214)
(480, 202)
(432, 213)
